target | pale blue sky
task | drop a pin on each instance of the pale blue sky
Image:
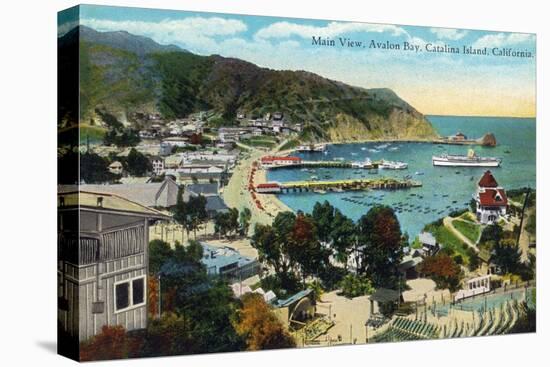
(434, 83)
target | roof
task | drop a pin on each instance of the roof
(492, 197)
(105, 201)
(268, 185)
(155, 194)
(203, 189)
(410, 262)
(287, 158)
(223, 256)
(215, 203)
(294, 298)
(426, 238)
(488, 180)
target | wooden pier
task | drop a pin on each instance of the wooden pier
(337, 185)
(326, 164)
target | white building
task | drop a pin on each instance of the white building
(274, 161)
(491, 200)
(168, 144)
(158, 164)
(474, 287)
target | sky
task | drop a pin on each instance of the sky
(433, 83)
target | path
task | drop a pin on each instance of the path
(448, 222)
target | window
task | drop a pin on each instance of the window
(129, 294)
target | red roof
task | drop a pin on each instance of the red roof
(268, 185)
(288, 158)
(488, 180)
(493, 197)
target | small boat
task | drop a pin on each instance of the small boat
(418, 173)
(313, 178)
(393, 149)
(363, 148)
(382, 146)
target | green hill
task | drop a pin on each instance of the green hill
(130, 81)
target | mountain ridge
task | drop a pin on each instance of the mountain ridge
(145, 77)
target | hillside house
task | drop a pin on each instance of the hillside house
(491, 200)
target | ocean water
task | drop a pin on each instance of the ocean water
(444, 188)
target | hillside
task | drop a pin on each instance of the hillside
(128, 76)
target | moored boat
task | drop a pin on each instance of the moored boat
(470, 160)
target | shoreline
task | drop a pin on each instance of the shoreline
(237, 194)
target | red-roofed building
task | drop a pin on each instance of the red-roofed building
(273, 161)
(488, 180)
(268, 188)
(491, 199)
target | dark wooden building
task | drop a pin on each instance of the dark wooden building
(102, 263)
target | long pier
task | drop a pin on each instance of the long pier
(336, 185)
(325, 164)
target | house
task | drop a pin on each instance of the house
(277, 116)
(458, 137)
(103, 261)
(168, 145)
(277, 125)
(491, 200)
(429, 244)
(229, 134)
(153, 195)
(408, 266)
(214, 203)
(157, 163)
(116, 168)
(228, 262)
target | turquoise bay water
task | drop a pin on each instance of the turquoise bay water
(444, 188)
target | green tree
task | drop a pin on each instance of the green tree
(137, 164)
(94, 169)
(159, 252)
(182, 213)
(343, 237)
(507, 256)
(323, 216)
(244, 219)
(379, 235)
(356, 285)
(492, 232)
(197, 212)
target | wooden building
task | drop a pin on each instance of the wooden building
(102, 263)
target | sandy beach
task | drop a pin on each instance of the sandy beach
(237, 195)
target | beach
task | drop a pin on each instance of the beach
(237, 195)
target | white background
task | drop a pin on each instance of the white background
(28, 179)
